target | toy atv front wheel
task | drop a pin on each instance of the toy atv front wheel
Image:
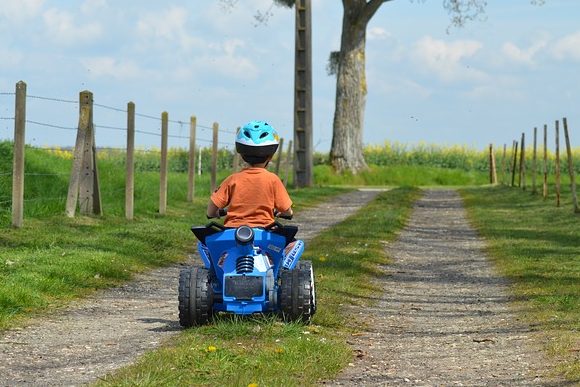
(297, 298)
(195, 297)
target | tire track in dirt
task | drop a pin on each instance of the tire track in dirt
(445, 317)
(112, 328)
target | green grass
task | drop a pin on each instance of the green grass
(241, 351)
(536, 245)
(401, 175)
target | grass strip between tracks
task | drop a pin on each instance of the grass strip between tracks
(262, 351)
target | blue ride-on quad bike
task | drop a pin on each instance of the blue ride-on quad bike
(245, 271)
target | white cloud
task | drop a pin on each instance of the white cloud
(568, 47)
(445, 59)
(524, 56)
(90, 6)
(398, 86)
(169, 25)
(108, 67)
(225, 61)
(17, 11)
(502, 88)
(377, 33)
(61, 27)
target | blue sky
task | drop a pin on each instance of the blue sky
(428, 82)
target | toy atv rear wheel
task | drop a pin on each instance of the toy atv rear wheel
(296, 294)
(195, 297)
(307, 265)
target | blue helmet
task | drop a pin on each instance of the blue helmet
(257, 138)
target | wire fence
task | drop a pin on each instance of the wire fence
(105, 119)
(531, 167)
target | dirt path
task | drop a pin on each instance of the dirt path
(114, 327)
(445, 317)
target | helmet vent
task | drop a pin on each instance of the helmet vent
(263, 135)
(246, 133)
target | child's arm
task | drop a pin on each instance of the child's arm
(288, 212)
(212, 210)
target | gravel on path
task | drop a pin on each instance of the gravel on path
(445, 318)
(112, 328)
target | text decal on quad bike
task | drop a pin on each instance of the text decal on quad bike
(294, 255)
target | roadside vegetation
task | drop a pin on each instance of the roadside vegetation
(536, 245)
(53, 259)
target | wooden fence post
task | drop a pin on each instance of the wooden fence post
(492, 171)
(557, 163)
(214, 157)
(509, 163)
(503, 164)
(289, 163)
(535, 162)
(84, 181)
(199, 161)
(236, 166)
(571, 166)
(545, 182)
(522, 178)
(130, 178)
(89, 195)
(163, 165)
(280, 154)
(191, 165)
(18, 163)
(73, 187)
(515, 163)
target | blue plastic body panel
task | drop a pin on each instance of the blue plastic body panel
(267, 246)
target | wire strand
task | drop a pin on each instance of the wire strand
(50, 125)
(52, 99)
(110, 107)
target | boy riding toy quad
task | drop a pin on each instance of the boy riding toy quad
(251, 264)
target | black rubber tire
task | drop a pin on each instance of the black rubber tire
(195, 297)
(296, 295)
(307, 265)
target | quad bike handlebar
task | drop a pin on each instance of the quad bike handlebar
(223, 212)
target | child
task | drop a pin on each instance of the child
(254, 194)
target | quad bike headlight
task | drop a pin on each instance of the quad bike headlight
(244, 234)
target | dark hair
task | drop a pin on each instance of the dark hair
(252, 160)
(264, 150)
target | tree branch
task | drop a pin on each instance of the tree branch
(371, 8)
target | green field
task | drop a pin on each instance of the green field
(53, 259)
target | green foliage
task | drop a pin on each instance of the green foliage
(536, 246)
(453, 157)
(178, 159)
(410, 175)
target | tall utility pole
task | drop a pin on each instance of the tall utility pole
(303, 95)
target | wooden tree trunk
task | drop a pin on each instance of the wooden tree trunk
(346, 152)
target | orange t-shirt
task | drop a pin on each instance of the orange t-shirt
(251, 196)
